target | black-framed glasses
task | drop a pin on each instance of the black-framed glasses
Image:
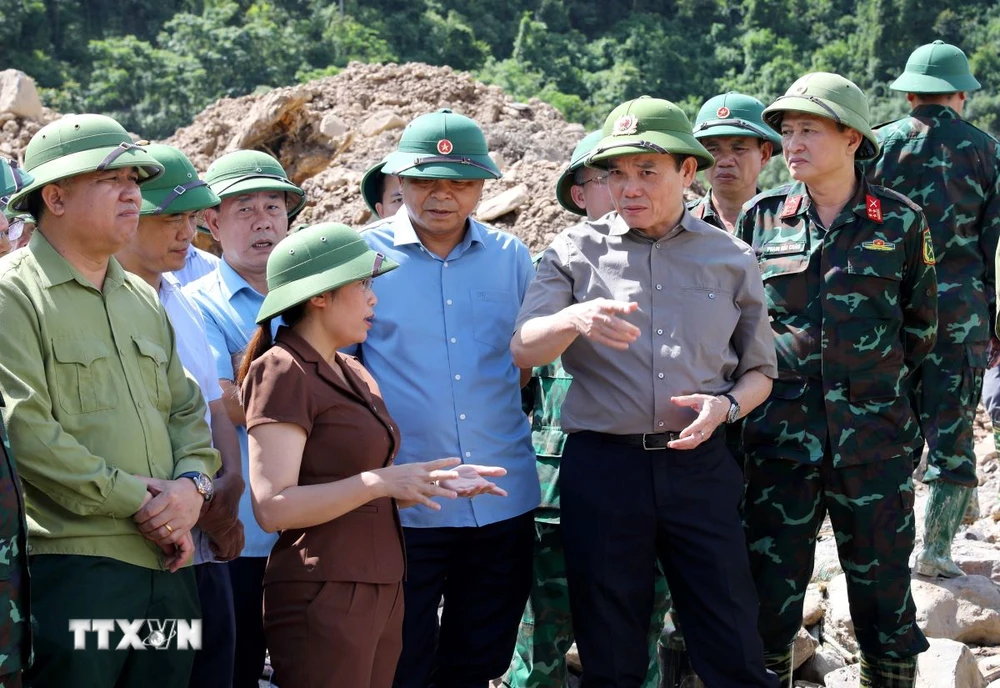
(366, 283)
(14, 230)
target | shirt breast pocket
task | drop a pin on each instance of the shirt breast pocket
(873, 283)
(785, 294)
(82, 375)
(152, 359)
(494, 312)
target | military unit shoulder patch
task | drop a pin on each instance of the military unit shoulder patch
(928, 251)
(874, 208)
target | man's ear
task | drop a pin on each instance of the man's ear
(54, 197)
(211, 216)
(576, 193)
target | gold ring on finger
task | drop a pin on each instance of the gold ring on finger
(167, 526)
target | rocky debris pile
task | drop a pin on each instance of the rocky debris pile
(21, 113)
(326, 133)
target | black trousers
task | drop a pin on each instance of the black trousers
(484, 576)
(623, 508)
(246, 574)
(213, 663)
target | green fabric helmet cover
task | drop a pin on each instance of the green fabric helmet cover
(566, 179)
(442, 145)
(937, 67)
(178, 189)
(734, 114)
(12, 180)
(250, 171)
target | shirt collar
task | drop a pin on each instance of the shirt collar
(168, 285)
(934, 110)
(798, 201)
(688, 222)
(404, 234)
(57, 270)
(232, 283)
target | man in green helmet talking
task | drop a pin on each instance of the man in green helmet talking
(113, 447)
(848, 270)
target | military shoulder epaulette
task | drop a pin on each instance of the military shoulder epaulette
(886, 192)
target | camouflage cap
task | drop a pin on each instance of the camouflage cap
(576, 161)
(734, 114)
(250, 171)
(648, 125)
(314, 260)
(78, 144)
(442, 145)
(12, 180)
(830, 96)
(178, 189)
(937, 67)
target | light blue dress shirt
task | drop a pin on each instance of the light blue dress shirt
(439, 348)
(197, 264)
(229, 306)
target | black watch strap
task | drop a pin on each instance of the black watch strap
(735, 405)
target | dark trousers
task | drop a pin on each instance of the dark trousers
(484, 576)
(246, 574)
(69, 587)
(213, 664)
(622, 509)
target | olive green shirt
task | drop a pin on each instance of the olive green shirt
(95, 395)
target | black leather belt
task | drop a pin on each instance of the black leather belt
(650, 441)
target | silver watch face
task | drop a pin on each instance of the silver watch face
(205, 486)
(734, 413)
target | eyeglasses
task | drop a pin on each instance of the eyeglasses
(14, 231)
(601, 180)
(366, 283)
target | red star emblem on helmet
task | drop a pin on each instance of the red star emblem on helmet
(445, 147)
(722, 112)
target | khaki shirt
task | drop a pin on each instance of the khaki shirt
(96, 394)
(701, 314)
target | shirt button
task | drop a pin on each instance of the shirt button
(659, 332)
(660, 424)
(656, 245)
(446, 263)
(453, 340)
(659, 375)
(448, 302)
(711, 296)
(458, 377)
(659, 287)
(462, 416)
(468, 455)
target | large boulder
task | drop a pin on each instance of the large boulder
(18, 95)
(948, 663)
(965, 609)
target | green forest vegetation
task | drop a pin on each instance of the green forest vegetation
(155, 64)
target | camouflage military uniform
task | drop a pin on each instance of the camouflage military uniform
(15, 636)
(949, 168)
(853, 311)
(703, 210)
(546, 630)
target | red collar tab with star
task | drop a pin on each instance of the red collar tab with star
(791, 208)
(874, 208)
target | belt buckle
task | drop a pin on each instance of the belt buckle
(647, 448)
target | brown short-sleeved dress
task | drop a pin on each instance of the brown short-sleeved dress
(333, 601)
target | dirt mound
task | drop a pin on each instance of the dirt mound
(16, 132)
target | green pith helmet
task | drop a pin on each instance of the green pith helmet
(648, 125)
(937, 67)
(442, 145)
(565, 182)
(831, 96)
(12, 180)
(78, 144)
(250, 171)
(178, 189)
(314, 260)
(371, 183)
(734, 114)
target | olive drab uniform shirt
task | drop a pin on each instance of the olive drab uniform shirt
(853, 309)
(15, 637)
(950, 169)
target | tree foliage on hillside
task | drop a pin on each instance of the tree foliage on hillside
(155, 64)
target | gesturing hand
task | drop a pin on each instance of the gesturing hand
(416, 483)
(598, 321)
(712, 412)
(471, 481)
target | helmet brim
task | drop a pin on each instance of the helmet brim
(370, 184)
(564, 186)
(224, 188)
(198, 198)
(775, 112)
(649, 142)
(405, 164)
(737, 127)
(924, 83)
(84, 162)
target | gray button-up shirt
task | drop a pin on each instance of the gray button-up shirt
(702, 317)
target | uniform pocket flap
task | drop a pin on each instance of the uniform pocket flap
(873, 386)
(976, 354)
(782, 265)
(81, 351)
(150, 350)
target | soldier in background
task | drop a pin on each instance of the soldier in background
(381, 192)
(848, 270)
(731, 129)
(950, 168)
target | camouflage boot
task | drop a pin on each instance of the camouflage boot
(972, 510)
(945, 508)
(888, 673)
(781, 664)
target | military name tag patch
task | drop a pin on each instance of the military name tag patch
(780, 248)
(928, 252)
(878, 245)
(874, 207)
(626, 124)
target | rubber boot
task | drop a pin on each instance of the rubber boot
(972, 509)
(888, 673)
(781, 664)
(945, 508)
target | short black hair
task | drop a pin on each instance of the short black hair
(379, 181)
(36, 205)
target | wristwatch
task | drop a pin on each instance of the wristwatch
(734, 408)
(202, 482)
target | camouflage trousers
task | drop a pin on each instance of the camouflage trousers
(11, 680)
(945, 395)
(546, 631)
(871, 509)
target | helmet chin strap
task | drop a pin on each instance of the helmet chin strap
(429, 160)
(116, 153)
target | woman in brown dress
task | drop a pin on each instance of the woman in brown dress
(321, 452)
